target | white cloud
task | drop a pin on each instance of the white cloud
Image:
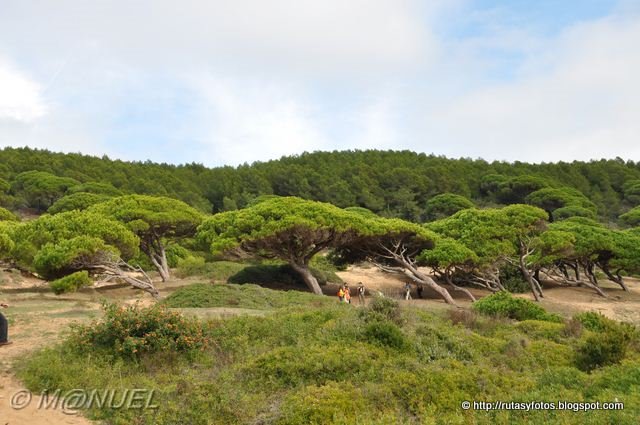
(308, 36)
(574, 98)
(244, 122)
(20, 97)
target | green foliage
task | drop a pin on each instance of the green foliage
(270, 226)
(382, 309)
(568, 200)
(176, 254)
(61, 239)
(201, 295)
(332, 365)
(40, 189)
(512, 280)
(594, 321)
(631, 217)
(392, 184)
(503, 304)
(217, 270)
(132, 331)
(6, 215)
(573, 211)
(446, 253)
(385, 334)
(150, 216)
(76, 201)
(97, 188)
(54, 260)
(605, 347)
(71, 283)
(445, 205)
(631, 190)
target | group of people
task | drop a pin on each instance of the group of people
(344, 293)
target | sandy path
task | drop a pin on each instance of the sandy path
(619, 305)
(36, 323)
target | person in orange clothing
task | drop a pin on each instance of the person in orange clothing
(347, 294)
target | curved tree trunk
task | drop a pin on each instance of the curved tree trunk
(307, 276)
(423, 278)
(535, 286)
(159, 260)
(617, 278)
(455, 287)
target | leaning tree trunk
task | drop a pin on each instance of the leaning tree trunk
(307, 276)
(617, 279)
(423, 278)
(115, 268)
(449, 280)
(159, 260)
(535, 286)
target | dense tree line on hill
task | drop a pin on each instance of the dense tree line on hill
(398, 184)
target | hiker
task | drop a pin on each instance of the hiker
(341, 294)
(347, 294)
(420, 289)
(407, 291)
(4, 327)
(361, 291)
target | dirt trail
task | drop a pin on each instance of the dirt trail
(28, 334)
(36, 319)
(619, 305)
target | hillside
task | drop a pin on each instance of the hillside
(389, 183)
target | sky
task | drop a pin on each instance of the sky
(225, 83)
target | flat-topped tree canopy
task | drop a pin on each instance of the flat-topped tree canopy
(552, 199)
(155, 220)
(445, 205)
(60, 245)
(288, 228)
(495, 236)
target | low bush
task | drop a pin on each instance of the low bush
(71, 283)
(132, 331)
(207, 295)
(607, 346)
(383, 308)
(594, 321)
(386, 334)
(503, 304)
(462, 316)
(219, 271)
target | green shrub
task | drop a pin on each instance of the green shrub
(176, 253)
(206, 295)
(383, 308)
(543, 330)
(605, 347)
(219, 271)
(594, 321)
(132, 331)
(505, 305)
(386, 334)
(71, 283)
